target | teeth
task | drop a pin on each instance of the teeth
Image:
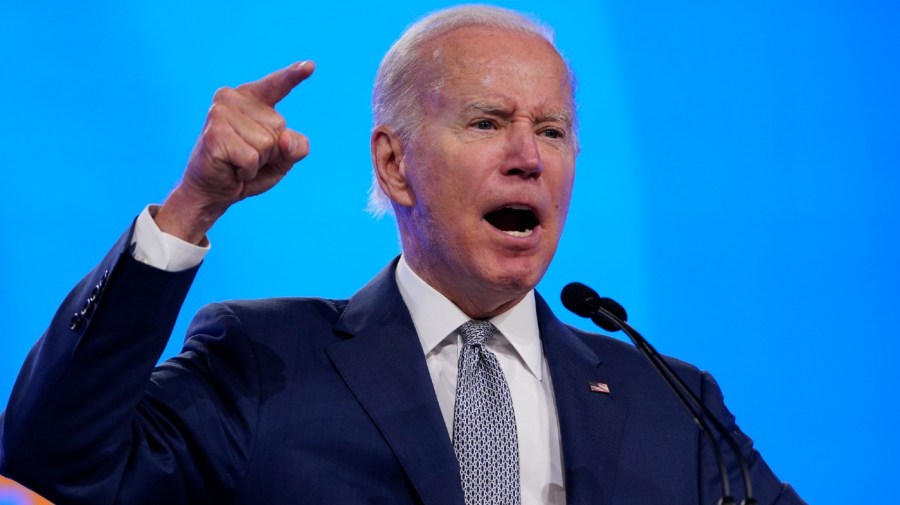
(525, 233)
(518, 207)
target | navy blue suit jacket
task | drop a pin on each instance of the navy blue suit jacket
(297, 400)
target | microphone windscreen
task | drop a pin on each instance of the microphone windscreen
(585, 302)
(578, 298)
(614, 308)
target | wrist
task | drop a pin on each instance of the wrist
(187, 217)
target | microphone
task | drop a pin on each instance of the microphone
(609, 315)
(584, 301)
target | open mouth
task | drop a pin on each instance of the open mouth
(514, 220)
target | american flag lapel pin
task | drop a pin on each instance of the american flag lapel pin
(599, 387)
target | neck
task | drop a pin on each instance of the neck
(476, 303)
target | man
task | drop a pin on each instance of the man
(446, 379)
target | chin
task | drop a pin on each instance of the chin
(518, 277)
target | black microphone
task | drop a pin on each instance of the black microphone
(584, 301)
(609, 315)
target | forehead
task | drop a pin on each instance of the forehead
(501, 61)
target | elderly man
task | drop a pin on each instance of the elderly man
(446, 379)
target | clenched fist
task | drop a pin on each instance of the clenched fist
(245, 149)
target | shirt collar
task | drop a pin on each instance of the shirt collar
(436, 318)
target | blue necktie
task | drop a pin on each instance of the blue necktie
(484, 424)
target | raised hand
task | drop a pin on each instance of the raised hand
(245, 149)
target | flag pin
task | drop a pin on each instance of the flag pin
(599, 387)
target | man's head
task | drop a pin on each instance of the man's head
(475, 145)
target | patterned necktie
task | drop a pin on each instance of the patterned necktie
(484, 425)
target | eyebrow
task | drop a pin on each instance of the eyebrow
(496, 109)
(488, 108)
(562, 116)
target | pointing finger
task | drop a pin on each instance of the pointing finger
(275, 86)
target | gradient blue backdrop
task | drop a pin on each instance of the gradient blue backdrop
(737, 188)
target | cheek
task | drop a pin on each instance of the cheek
(564, 194)
(438, 207)
(568, 195)
(449, 189)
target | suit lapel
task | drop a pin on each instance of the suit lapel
(383, 364)
(590, 423)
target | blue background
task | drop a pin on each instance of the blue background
(737, 188)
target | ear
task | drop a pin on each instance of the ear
(390, 166)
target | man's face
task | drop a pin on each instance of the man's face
(491, 170)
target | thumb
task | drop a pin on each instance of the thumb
(293, 146)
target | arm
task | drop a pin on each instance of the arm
(82, 380)
(85, 422)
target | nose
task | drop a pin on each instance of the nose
(523, 158)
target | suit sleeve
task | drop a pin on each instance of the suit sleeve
(767, 488)
(88, 423)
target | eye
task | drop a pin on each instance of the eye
(552, 133)
(484, 124)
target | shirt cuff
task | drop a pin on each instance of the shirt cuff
(158, 249)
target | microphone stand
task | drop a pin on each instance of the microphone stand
(694, 406)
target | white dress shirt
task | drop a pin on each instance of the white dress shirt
(161, 250)
(517, 346)
(521, 357)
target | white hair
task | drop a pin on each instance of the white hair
(395, 97)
